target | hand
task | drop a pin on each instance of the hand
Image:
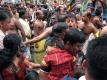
(34, 65)
(24, 43)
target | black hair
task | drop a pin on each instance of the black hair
(97, 58)
(45, 13)
(59, 27)
(55, 1)
(4, 15)
(98, 11)
(21, 12)
(62, 18)
(74, 36)
(54, 42)
(72, 16)
(11, 44)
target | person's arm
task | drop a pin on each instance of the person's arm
(36, 65)
(43, 35)
(19, 27)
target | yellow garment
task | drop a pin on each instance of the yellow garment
(40, 45)
(40, 51)
(97, 34)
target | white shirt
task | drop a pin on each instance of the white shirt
(26, 27)
(85, 46)
(82, 78)
(2, 35)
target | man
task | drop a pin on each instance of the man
(4, 25)
(95, 64)
(97, 19)
(39, 22)
(15, 27)
(23, 14)
(90, 31)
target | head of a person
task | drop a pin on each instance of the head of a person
(62, 10)
(5, 20)
(5, 6)
(11, 44)
(45, 14)
(91, 8)
(86, 16)
(99, 3)
(73, 40)
(71, 20)
(95, 64)
(88, 27)
(53, 42)
(55, 1)
(98, 12)
(39, 14)
(59, 30)
(14, 10)
(54, 19)
(97, 22)
(62, 18)
(23, 13)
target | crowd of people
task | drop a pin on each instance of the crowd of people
(41, 42)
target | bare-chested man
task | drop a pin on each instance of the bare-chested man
(15, 26)
(38, 24)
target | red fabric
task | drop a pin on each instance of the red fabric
(61, 63)
(8, 75)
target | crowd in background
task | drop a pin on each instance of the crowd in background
(57, 42)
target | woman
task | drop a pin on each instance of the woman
(11, 66)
